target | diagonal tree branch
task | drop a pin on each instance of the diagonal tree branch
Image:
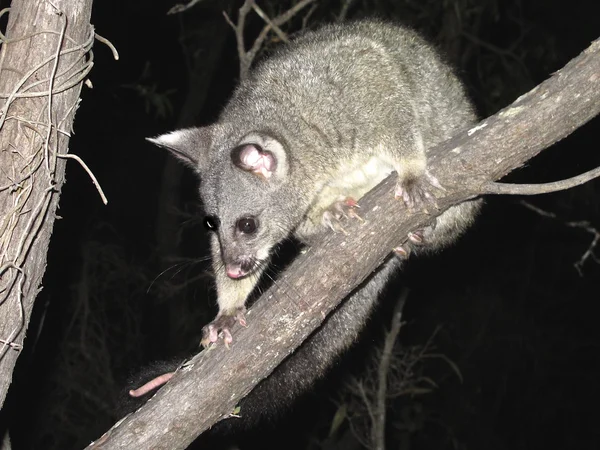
(211, 385)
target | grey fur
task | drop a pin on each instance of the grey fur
(337, 110)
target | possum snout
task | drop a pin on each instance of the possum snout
(241, 267)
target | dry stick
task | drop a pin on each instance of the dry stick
(378, 427)
(344, 10)
(581, 225)
(52, 90)
(308, 15)
(239, 35)
(362, 393)
(109, 44)
(51, 80)
(89, 172)
(180, 7)
(27, 239)
(8, 342)
(247, 57)
(257, 9)
(278, 21)
(504, 53)
(210, 386)
(18, 92)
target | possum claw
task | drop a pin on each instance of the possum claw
(434, 181)
(417, 237)
(342, 209)
(401, 252)
(414, 239)
(415, 193)
(221, 327)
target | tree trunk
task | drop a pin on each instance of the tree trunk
(43, 62)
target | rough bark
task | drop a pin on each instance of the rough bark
(209, 388)
(43, 62)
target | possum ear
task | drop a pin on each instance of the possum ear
(189, 145)
(261, 155)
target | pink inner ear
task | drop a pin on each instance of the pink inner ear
(257, 161)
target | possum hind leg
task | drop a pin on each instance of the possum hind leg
(443, 231)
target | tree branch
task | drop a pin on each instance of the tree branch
(211, 385)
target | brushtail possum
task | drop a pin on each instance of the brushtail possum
(313, 128)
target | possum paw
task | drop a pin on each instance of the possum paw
(221, 327)
(341, 209)
(415, 193)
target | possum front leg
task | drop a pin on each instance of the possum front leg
(344, 208)
(231, 298)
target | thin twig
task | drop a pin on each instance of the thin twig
(344, 11)
(51, 80)
(360, 387)
(109, 44)
(246, 57)
(89, 172)
(378, 430)
(499, 51)
(274, 27)
(180, 7)
(8, 342)
(308, 15)
(582, 225)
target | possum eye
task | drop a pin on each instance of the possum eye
(211, 223)
(247, 225)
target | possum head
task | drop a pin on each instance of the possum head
(243, 184)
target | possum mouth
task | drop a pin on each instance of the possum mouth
(235, 271)
(242, 268)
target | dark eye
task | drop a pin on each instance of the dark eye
(211, 223)
(247, 225)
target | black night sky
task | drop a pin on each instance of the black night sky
(128, 283)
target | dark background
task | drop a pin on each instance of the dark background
(127, 283)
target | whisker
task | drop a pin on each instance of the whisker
(163, 272)
(187, 264)
(180, 266)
